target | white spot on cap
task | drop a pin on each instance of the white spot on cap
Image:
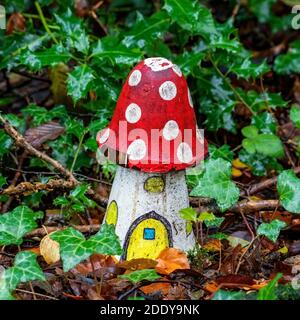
(137, 150)
(184, 153)
(170, 130)
(135, 78)
(103, 135)
(133, 113)
(177, 70)
(190, 99)
(158, 64)
(168, 90)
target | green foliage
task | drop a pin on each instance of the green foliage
(25, 269)
(290, 62)
(295, 115)
(266, 144)
(216, 183)
(15, 224)
(288, 186)
(271, 230)
(140, 275)
(74, 248)
(269, 291)
(188, 14)
(76, 202)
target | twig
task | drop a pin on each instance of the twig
(41, 232)
(37, 294)
(31, 187)
(264, 184)
(22, 142)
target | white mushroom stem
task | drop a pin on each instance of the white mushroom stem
(145, 210)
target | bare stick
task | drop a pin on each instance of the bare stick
(264, 184)
(41, 232)
(22, 142)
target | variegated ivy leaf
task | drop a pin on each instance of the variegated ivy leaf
(288, 186)
(74, 248)
(271, 230)
(25, 269)
(216, 183)
(15, 224)
(139, 275)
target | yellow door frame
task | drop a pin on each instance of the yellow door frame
(150, 215)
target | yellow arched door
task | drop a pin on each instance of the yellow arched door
(147, 239)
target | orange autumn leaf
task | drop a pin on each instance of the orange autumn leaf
(163, 287)
(213, 245)
(35, 250)
(137, 264)
(171, 259)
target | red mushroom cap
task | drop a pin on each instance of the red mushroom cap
(154, 123)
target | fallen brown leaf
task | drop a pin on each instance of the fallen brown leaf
(171, 259)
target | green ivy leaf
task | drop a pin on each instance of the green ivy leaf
(74, 248)
(191, 16)
(250, 132)
(223, 152)
(140, 275)
(15, 224)
(269, 291)
(295, 115)
(229, 295)
(188, 214)
(25, 269)
(266, 144)
(271, 230)
(80, 81)
(216, 183)
(288, 186)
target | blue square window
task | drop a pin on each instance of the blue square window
(149, 233)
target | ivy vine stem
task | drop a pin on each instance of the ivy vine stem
(44, 22)
(77, 151)
(230, 85)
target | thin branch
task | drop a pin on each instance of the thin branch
(41, 232)
(22, 142)
(264, 184)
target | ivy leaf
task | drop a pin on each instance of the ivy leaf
(266, 144)
(108, 48)
(229, 295)
(147, 30)
(216, 183)
(191, 16)
(140, 275)
(49, 57)
(223, 152)
(15, 224)
(80, 81)
(188, 214)
(269, 291)
(288, 186)
(25, 269)
(295, 115)
(290, 62)
(74, 248)
(271, 230)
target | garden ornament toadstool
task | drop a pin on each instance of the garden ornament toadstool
(153, 136)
